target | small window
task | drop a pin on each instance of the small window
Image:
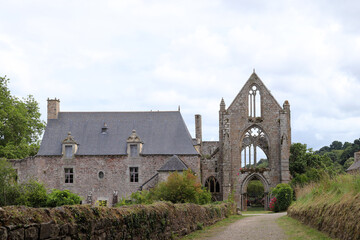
(213, 185)
(68, 151)
(101, 174)
(134, 174)
(69, 175)
(133, 150)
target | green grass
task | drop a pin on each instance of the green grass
(255, 210)
(295, 230)
(213, 229)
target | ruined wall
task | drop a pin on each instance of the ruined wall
(233, 124)
(50, 170)
(156, 221)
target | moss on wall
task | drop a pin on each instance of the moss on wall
(156, 221)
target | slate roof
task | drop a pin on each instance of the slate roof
(354, 166)
(161, 133)
(173, 164)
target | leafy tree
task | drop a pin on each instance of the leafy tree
(336, 145)
(348, 163)
(20, 124)
(7, 180)
(307, 166)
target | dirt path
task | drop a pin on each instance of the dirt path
(259, 226)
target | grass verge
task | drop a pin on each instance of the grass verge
(295, 230)
(213, 229)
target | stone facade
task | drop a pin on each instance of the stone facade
(86, 169)
(241, 129)
(254, 122)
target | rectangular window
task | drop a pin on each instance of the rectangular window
(134, 174)
(68, 152)
(69, 175)
(133, 150)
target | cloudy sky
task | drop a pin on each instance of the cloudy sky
(134, 55)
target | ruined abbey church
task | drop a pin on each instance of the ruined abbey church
(106, 155)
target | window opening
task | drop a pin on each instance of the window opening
(254, 102)
(101, 174)
(133, 150)
(213, 185)
(254, 149)
(134, 174)
(68, 151)
(69, 175)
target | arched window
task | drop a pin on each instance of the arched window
(254, 147)
(254, 107)
(212, 184)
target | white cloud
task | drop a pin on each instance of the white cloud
(142, 55)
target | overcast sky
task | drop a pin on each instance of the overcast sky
(138, 55)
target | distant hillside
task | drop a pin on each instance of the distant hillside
(341, 153)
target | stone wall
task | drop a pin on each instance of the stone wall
(234, 122)
(157, 221)
(50, 170)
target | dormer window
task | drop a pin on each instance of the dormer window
(104, 129)
(69, 147)
(133, 150)
(134, 145)
(68, 151)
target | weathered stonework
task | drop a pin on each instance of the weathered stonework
(355, 167)
(50, 170)
(106, 175)
(234, 123)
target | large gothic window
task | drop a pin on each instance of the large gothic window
(254, 107)
(212, 184)
(255, 148)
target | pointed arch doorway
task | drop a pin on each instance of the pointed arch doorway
(244, 190)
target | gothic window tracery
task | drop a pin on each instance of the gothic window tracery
(254, 142)
(212, 184)
(254, 104)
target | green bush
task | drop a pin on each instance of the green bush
(59, 198)
(32, 194)
(182, 188)
(284, 195)
(179, 188)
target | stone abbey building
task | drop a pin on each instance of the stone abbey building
(106, 155)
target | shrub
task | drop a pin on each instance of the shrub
(272, 204)
(178, 188)
(182, 188)
(59, 198)
(283, 197)
(32, 194)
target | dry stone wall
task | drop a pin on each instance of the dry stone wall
(156, 221)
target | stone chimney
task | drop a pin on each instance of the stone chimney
(357, 157)
(198, 128)
(53, 108)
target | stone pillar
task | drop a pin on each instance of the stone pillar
(198, 127)
(285, 143)
(53, 108)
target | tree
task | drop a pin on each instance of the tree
(20, 124)
(336, 145)
(7, 180)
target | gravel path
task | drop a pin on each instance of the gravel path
(259, 226)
